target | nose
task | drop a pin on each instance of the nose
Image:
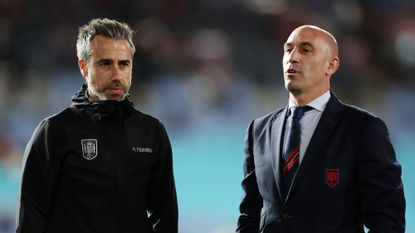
(292, 56)
(116, 72)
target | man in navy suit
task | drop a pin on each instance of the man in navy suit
(341, 176)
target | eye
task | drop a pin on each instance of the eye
(287, 50)
(104, 63)
(124, 63)
(306, 49)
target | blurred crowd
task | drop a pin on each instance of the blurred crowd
(199, 64)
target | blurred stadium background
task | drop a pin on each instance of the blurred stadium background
(205, 68)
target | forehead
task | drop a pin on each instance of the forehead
(108, 47)
(306, 36)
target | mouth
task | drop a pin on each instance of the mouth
(115, 90)
(291, 71)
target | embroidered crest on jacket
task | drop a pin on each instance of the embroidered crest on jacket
(89, 148)
(332, 177)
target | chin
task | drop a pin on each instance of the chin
(116, 97)
(293, 89)
(290, 86)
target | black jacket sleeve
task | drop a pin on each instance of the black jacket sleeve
(251, 204)
(162, 191)
(383, 202)
(39, 177)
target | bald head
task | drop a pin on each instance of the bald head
(327, 38)
(310, 59)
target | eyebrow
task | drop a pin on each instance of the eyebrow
(110, 61)
(100, 61)
(125, 61)
(302, 44)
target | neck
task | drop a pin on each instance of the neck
(303, 99)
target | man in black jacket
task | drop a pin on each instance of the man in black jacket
(100, 165)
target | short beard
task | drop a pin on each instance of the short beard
(98, 92)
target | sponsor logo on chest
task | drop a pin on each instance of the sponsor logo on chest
(142, 149)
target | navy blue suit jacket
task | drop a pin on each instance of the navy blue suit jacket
(349, 177)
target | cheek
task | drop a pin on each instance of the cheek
(128, 75)
(284, 60)
(100, 74)
(96, 77)
(92, 72)
(128, 71)
(316, 68)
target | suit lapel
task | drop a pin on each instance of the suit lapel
(326, 126)
(277, 129)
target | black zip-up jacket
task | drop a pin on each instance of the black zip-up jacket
(98, 167)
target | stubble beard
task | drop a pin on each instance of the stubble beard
(98, 92)
(291, 87)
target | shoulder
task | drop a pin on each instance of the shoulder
(147, 123)
(358, 112)
(56, 120)
(259, 125)
(361, 115)
(351, 112)
(146, 119)
(48, 127)
(65, 116)
(268, 118)
(362, 119)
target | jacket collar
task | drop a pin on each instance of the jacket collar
(102, 108)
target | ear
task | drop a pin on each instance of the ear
(83, 67)
(333, 65)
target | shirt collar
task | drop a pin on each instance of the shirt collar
(318, 103)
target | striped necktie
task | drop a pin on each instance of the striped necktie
(291, 153)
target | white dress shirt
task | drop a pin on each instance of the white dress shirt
(309, 120)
